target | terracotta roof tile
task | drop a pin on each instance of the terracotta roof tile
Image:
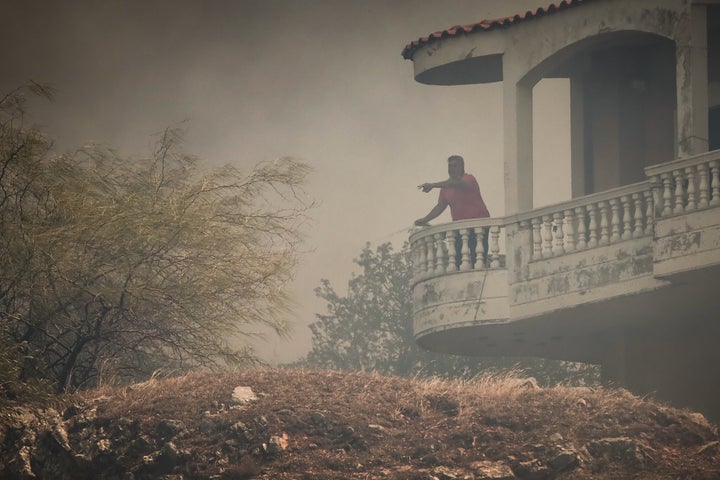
(485, 25)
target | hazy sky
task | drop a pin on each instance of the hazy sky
(251, 80)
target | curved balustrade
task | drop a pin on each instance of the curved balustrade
(458, 247)
(591, 221)
(686, 185)
(581, 224)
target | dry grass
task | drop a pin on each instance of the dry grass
(355, 425)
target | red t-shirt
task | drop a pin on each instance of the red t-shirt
(464, 204)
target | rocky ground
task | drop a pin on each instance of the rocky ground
(295, 424)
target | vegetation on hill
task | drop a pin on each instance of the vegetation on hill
(112, 267)
(297, 424)
(370, 329)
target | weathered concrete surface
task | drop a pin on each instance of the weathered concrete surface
(463, 298)
(687, 242)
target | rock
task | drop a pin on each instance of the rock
(142, 443)
(103, 446)
(487, 470)
(276, 444)
(207, 426)
(445, 473)
(170, 428)
(164, 460)
(531, 470)
(619, 448)
(556, 438)
(241, 431)
(59, 434)
(242, 395)
(564, 460)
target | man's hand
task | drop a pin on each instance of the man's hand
(421, 222)
(426, 187)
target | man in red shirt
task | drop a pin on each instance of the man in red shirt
(462, 193)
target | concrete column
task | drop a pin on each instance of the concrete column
(517, 119)
(518, 245)
(692, 87)
(577, 137)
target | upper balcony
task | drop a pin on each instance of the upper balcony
(558, 281)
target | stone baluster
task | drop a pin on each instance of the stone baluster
(480, 253)
(536, 238)
(656, 190)
(452, 265)
(604, 223)
(649, 212)
(569, 230)
(667, 195)
(465, 249)
(627, 232)
(678, 176)
(638, 219)
(703, 186)
(430, 249)
(690, 177)
(494, 246)
(559, 246)
(592, 226)
(439, 253)
(582, 229)
(421, 258)
(547, 236)
(715, 182)
(614, 220)
(415, 250)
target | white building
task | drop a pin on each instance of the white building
(627, 273)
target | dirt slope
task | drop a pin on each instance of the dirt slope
(295, 424)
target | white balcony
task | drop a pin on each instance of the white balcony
(559, 281)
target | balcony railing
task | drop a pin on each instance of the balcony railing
(686, 185)
(458, 247)
(591, 221)
(584, 223)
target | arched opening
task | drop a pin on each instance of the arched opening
(713, 22)
(622, 99)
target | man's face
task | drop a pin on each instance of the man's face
(455, 169)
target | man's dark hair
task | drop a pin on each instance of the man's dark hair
(456, 158)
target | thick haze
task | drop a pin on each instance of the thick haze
(252, 80)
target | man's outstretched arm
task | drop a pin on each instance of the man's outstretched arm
(449, 183)
(434, 213)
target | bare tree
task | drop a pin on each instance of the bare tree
(118, 266)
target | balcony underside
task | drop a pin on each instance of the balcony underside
(585, 332)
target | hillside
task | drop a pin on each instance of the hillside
(296, 424)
